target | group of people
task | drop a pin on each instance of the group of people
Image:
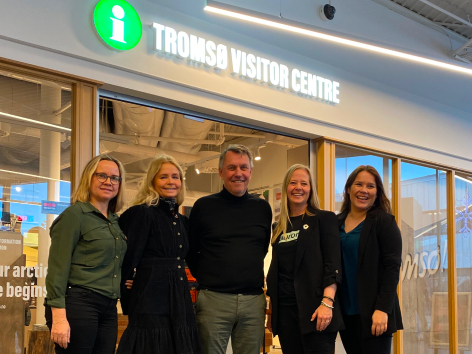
(328, 272)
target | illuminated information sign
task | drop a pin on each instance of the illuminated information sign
(119, 26)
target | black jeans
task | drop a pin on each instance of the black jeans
(293, 341)
(93, 322)
(354, 343)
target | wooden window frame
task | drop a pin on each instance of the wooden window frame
(83, 115)
(323, 158)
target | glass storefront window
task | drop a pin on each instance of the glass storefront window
(135, 134)
(463, 212)
(348, 159)
(35, 131)
(424, 260)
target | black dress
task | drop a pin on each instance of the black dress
(159, 305)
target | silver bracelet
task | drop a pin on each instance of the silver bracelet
(325, 304)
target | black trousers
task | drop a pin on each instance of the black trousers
(293, 341)
(354, 343)
(93, 322)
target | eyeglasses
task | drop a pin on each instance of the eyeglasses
(102, 177)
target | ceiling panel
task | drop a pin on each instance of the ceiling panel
(459, 8)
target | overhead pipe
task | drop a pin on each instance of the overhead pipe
(222, 134)
(62, 109)
(118, 143)
(245, 135)
(201, 161)
(14, 119)
(34, 81)
(183, 127)
(169, 140)
(206, 159)
(258, 145)
(145, 151)
(466, 45)
(32, 133)
(457, 53)
(450, 14)
(451, 24)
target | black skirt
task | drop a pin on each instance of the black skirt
(161, 316)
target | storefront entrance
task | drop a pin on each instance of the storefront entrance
(50, 126)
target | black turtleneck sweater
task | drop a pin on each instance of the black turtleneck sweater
(229, 237)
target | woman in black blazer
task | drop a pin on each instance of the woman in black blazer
(305, 270)
(371, 247)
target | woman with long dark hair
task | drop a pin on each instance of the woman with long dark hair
(371, 247)
(305, 270)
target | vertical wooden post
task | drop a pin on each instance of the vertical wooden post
(396, 206)
(325, 156)
(451, 263)
(84, 131)
(332, 179)
(95, 120)
(313, 160)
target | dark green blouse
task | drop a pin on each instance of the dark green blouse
(87, 250)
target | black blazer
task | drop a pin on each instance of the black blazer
(378, 270)
(317, 265)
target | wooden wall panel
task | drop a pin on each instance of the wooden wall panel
(451, 263)
(325, 157)
(396, 203)
(84, 131)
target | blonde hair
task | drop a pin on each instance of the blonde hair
(312, 202)
(82, 193)
(147, 193)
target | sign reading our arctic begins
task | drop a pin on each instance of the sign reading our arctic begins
(119, 26)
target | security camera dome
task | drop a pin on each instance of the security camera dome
(327, 12)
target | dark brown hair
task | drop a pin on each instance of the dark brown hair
(381, 202)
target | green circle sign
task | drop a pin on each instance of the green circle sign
(118, 24)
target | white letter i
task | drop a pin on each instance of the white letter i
(118, 26)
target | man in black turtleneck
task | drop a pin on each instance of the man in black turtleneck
(229, 237)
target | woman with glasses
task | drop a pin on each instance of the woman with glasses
(84, 266)
(305, 270)
(159, 306)
(371, 247)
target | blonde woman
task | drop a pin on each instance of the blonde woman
(84, 267)
(305, 270)
(161, 317)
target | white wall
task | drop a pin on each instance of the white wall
(270, 170)
(370, 113)
(362, 19)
